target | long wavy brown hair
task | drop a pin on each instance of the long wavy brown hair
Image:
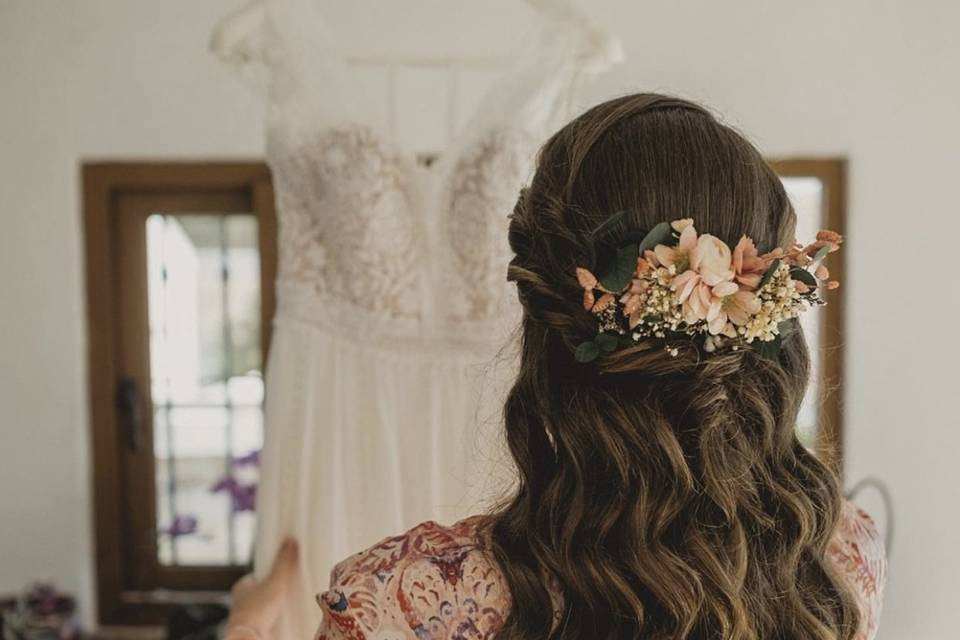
(666, 497)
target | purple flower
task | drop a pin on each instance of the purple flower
(226, 483)
(181, 526)
(242, 496)
(250, 459)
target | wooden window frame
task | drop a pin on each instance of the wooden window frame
(832, 173)
(245, 186)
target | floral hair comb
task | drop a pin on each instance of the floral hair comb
(674, 283)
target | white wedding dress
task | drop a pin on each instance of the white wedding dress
(385, 377)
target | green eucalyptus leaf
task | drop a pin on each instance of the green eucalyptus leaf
(607, 341)
(821, 254)
(769, 350)
(620, 273)
(803, 276)
(661, 233)
(786, 328)
(768, 274)
(587, 352)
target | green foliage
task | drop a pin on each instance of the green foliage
(621, 271)
(661, 233)
(768, 274)
(803, 276)
(587, 352)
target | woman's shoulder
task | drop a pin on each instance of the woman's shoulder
(859, 554)
(431, 580)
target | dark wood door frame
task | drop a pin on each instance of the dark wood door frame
(108, 189)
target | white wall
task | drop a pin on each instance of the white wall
(875, 81)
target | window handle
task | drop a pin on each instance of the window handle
(131, 411)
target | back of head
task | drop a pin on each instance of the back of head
(667, 495)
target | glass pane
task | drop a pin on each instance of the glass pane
(806, 194)
(206, 384)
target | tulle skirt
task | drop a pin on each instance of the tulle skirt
(363, 442)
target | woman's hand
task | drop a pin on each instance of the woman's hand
(256, 604)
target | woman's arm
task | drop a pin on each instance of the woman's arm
(256, 604)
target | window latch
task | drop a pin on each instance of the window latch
(131, 411)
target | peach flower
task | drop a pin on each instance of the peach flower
(605, 301)
(826, 235)
(679, 256)
(697, 304)
(712, 260)
(589, 282)
(643, 266)
(747, 264)
(586, 279)
(731, 304)
(633, 298)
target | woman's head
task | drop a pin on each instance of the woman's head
(667, 494)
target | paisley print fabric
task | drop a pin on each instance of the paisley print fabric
(441, 583)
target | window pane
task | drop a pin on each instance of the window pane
(206, 384)
(806, 195)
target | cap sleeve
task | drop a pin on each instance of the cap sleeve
(858, 552)
(286, 51)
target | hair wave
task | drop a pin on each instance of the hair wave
(667, 497)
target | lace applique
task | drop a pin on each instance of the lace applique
(481, 193)
(353, 238)
(347, 231)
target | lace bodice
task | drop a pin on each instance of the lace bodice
(373, 245)
(442, 583)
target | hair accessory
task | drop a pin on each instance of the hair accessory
(674, 283)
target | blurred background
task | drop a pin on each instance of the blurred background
(117, 105)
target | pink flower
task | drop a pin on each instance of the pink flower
(679, 256)
(712, 260)
(747, 264)
(730, 304)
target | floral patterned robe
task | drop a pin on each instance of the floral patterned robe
(439, 583)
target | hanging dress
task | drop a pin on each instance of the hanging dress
(389, 358)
